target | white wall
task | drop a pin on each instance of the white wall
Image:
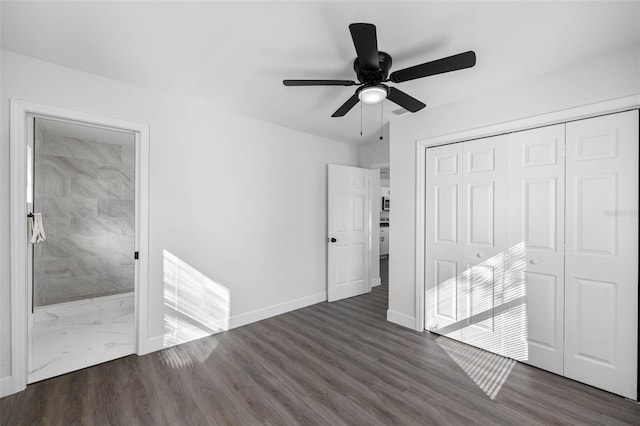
(376, 152)
(241, 201)
(607, 77)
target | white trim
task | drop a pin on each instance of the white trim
(374, 228)
(153, 344)
(142, 238)
(379, 165)
(18, 235)
(18, 209)
(6, 386)
(277, 309)
(157, 343)
(563, 116)
(400, 319)
(420, 238)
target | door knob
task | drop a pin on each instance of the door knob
(534, 261)
(333, 240)
(478, 255)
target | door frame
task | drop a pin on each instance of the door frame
(562, 116)
(20, 303)
(374, 202)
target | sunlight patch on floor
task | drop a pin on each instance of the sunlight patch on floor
(188, 354)
(487, 370)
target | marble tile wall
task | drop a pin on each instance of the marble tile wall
(85, 191)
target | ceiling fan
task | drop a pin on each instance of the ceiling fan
(372, 70)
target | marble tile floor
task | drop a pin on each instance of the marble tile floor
(74, 335)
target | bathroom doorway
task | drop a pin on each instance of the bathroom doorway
(81, 199)
(77, 272)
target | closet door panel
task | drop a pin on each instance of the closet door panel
(534, 283)
(484, 231)
(443, 261)
(602, 252)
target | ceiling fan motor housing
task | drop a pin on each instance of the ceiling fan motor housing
(372, 76)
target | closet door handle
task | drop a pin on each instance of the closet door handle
(534, 261)
(478, 255)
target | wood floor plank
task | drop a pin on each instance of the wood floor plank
(335, 363)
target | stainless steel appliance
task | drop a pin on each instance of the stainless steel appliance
(386, 201)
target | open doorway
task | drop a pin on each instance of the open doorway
(380, 226)
(57, 171)
(81, 205)
(375, 156)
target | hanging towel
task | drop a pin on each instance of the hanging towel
(37, 229)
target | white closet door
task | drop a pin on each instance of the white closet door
(443, 266)
(534, 280)
(484, 230)
(602, 253)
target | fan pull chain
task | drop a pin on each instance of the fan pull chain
(381, 113)
(360, 118)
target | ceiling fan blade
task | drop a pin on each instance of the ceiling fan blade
(366, 43)
(405, 101)
(346, 107)
(450, 63)
(318, 82)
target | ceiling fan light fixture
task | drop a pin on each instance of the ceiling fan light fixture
(372, 94)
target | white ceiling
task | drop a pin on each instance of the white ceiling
(237, 53)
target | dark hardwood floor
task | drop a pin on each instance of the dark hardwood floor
(331, 363)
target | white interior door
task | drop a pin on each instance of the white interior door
(484, 230)
(443, 261)
(349, 231)
(601, 278)
(534, 282)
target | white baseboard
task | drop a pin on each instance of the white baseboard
(6, 386)
(376, 282)
(183, 335)
(401, 319)
(152, 344)
(273, 310)
(159, 342)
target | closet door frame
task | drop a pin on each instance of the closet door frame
(558, 117)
